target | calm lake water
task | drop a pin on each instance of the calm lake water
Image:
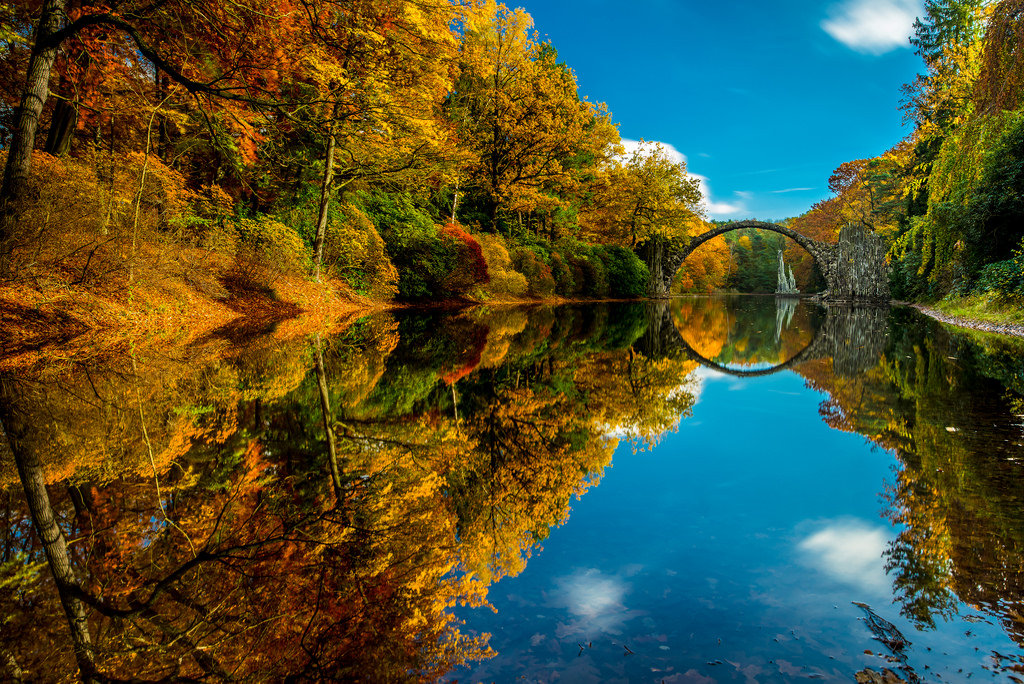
(717, 489)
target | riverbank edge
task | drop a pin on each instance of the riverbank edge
(50, 327)
(1013, 330)
(58, 326)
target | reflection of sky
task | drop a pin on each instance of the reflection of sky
(590, 594)
(741, 540)
(850, 550)
(595, 602)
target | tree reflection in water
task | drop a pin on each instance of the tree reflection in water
(195, 523)
(184, 516)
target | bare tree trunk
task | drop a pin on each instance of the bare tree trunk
(14, 424)
(62, 128)
(33, 97)
(455, 202)
(325, 407)
(162, 144)
(325, 197)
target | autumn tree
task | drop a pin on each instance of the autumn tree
(645, 203)
(707, 270)
(948, 38)
(518, 113)
(378, 73)
(870, 192)
(218, 56)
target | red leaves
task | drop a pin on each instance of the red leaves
(473, 261)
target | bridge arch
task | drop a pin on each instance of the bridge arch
(853, 336)
(807, 243)
(805, 354)
(854, 268)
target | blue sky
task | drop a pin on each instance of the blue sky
(763, 99)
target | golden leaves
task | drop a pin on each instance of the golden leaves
(647, 196)
(517, 110)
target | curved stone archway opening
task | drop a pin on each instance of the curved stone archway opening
(854, 336)
(854, 268)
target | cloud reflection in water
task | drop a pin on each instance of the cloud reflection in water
(595, 599)
(850, 551)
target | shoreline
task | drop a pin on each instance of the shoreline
(45, 327)
(969, 323)
(51, 326)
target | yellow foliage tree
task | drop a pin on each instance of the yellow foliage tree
(518, 113)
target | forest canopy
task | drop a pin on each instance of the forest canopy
(442, 149)
(421, 150)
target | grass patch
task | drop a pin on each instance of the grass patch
(983, 308)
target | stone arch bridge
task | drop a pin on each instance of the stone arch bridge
(854, 337)
(854, 268)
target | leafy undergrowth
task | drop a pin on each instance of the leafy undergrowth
(44, 324)
(982, 308)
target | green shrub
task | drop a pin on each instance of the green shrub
(590, 276)
(504, 279)
(1003, 280)
(424, 261)
(627, 274)
(538, 274)
(355, 252)
(563, 275)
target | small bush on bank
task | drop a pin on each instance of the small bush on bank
(1003, 281)
(592, 276)
(504, 279)
(424, 261)
(589, 273)
(470, 266)
(563, 275)
(627, 274)
(355, 252)
(87, 219)
(266, 250)
(538, 275)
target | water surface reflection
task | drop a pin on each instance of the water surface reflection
(332, 507)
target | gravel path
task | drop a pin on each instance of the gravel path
(1002, 329)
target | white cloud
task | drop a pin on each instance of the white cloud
(670, 151)
(873, 26)
(779, 192)
(591, 594)
(595, 601)
(721, 209)
(850, 550)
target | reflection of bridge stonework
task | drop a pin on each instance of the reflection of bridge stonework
(854, 268)
(852, 336)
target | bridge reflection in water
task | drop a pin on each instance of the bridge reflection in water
(755, 341)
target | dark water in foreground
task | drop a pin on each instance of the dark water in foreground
(722, 490)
